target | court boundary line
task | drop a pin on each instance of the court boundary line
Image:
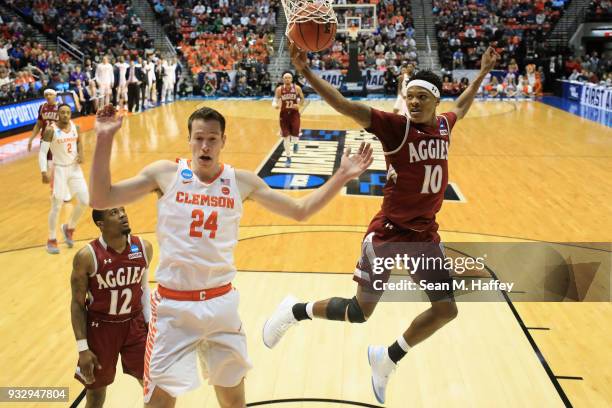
(344, 225)
(534, 346)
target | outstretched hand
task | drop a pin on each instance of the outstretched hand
(354, 165)
(298, 57)
(108, 122)
(489, 59)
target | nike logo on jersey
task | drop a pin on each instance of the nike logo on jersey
(107, 261)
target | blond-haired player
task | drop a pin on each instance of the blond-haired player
(194, 308)
(64, 141)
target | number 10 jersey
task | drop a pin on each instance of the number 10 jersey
(197, 230)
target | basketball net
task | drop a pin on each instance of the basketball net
(353, 32)
(302, 11)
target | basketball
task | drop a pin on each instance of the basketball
(310, 35)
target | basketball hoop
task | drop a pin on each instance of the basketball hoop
(302, 11)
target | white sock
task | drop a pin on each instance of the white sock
(56, 206)
(287, 145)
(309, 307)
(402, 343)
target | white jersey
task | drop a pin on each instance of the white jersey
(404, 88)
(170, 73)
(64, 145)
(197, 230)
(123, 66)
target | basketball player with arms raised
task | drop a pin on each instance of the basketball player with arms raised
(63, 140)
(110, 305)
(291, 100)
(416, 153)
(195, 307)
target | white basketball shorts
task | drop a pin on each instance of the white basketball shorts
(69, 181)
(180, 332)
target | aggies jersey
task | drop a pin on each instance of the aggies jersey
(197, 230)
(48, 114)
(417, 167)
(289, 98)
(115, 290)
(64, 145)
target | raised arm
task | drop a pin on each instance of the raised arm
(301, 208)
(359, 112)
(82, 267)
(104, 194)
(464, 101)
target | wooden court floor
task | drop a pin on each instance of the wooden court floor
(528, 172)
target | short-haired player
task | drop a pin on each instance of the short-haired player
(195, 307)
(63, 140)
(110, 305)
(416, 153)
(289, 98)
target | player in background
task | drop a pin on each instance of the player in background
(63, 140)
(105, 77)
(195, 307)
(122, 83)
(110, 306)
(289, 98)
(407, 72)
(416, 154)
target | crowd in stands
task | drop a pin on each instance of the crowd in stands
(516, 28)
(97, 27)
(599, 10)
(390, 46)
(216, 36)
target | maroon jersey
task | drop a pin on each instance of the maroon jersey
(48, 114)
(115, 290)
(417, 167)
(289, 98)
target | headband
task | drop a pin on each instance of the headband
(431, 88)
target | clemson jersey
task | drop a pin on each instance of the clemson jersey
(197, 230)
(64, 145)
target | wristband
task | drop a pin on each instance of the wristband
(82, 345)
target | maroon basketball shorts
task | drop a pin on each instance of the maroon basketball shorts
(108, 340)
(290, 122)
(419, 255)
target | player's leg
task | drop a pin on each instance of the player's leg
(95, 398)
(286, 136)
(295, 130)
(223, 355)
(60, 189)
(231, 397)
(383, 359)
(165, 91)
(355, 310)
(170, 367)
(78, 187)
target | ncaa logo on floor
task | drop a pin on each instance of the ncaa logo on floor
(318, 157)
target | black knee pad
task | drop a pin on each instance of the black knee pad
(338, 308)
(355, 314)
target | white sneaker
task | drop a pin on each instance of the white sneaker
(382, 368)
(280, 321)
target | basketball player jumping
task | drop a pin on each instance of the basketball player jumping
(194, 308)
(110, 305)
(62, 139)
(291, 100)
(416, 152)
